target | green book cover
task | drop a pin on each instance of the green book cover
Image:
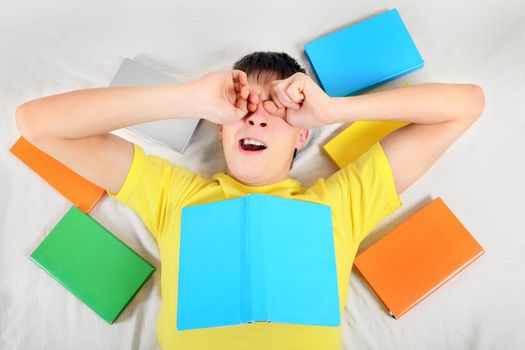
(92, 264)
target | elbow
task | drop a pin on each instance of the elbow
(24, 118)
(478, 100)
(21, 119)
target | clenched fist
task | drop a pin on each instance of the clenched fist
(300, 101)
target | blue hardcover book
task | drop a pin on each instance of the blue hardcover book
(257, 258)
(364, 55)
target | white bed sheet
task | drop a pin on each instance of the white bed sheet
(56, 46)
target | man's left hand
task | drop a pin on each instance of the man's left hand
(300, 101)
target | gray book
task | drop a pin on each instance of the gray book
(173, 133)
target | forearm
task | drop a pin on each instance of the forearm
(429, 103)
(88, 112)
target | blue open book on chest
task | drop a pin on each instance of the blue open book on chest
(257, 258)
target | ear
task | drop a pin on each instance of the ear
(302, 138)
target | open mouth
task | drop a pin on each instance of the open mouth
(248, 144)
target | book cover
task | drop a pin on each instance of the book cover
(78, 190)
(363, 55)
(92, 263)
(419, 256)
(357, 138)
(176, 134)
(257, 258)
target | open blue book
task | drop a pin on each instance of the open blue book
(257, 258)
(363, 55)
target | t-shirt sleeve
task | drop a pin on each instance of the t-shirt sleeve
(363, 193)
(153, 185)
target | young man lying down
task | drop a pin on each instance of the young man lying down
(264, 108)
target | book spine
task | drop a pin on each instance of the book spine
(245, 278)
(255, 207)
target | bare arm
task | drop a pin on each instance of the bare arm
(74, 127)
(439, 114)
(96, 111)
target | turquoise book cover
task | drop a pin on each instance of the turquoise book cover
(363, 55)
(257, 258)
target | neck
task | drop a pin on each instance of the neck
(261, 182)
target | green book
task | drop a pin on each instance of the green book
(92, 264)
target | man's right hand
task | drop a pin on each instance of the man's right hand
(225, 96)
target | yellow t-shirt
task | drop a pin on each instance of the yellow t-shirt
(361, 195)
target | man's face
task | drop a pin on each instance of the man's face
(259, 148)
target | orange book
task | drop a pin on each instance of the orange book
(418, 257)
(81, 192)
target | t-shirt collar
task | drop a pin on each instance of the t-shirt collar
(234, 188)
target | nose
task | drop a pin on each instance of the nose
(258, 118)
(256, 121)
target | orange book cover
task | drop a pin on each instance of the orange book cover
(81, 192)
(418, 257)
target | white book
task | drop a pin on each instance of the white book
(173, 133)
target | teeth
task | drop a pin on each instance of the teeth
(253, 142)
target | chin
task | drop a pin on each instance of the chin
(256, 169)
